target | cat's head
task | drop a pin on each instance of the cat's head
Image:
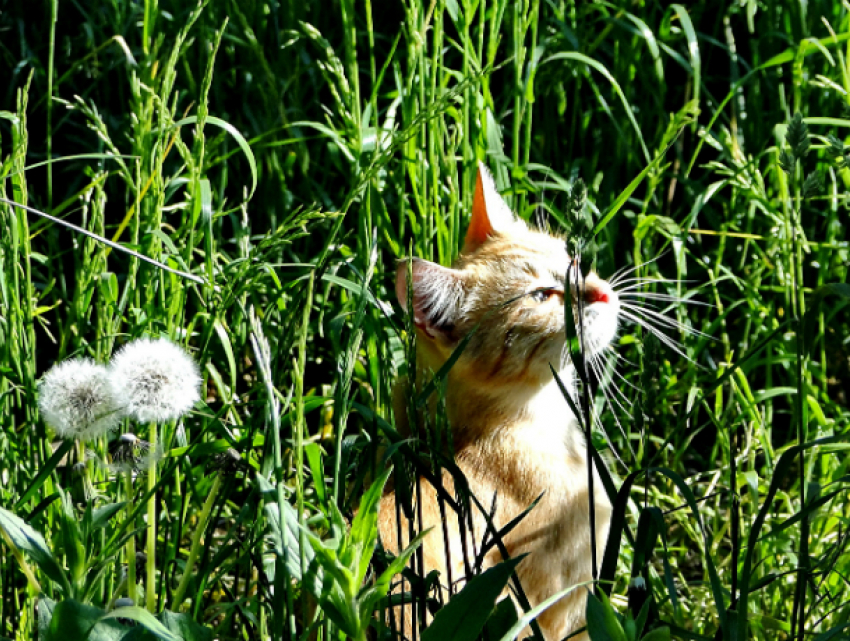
(510, 282)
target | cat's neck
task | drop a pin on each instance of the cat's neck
(526, 442)
(516, 414)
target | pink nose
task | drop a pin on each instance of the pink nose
(595, 295)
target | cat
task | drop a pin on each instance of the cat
(514, 436)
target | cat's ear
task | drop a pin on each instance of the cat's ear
(438, 294)
(489, 212)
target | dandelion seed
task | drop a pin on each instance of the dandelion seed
(76, 399)
(156, 380)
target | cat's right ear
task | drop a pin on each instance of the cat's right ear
(490, 212)
(437, 292)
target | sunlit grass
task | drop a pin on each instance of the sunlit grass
(286, 155)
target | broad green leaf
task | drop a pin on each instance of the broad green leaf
(658, 634)
(464, 616)
(314, 460)
(503, 618)
(184, 626)
(364, 527)
(101, 515)
(284, 530)
(72, 542)
(602, 622)
(73, 620)
(143, 618)
(26, 539)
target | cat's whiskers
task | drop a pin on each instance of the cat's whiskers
(644, 322)
(650, 314)
(637, 283)
(623, 272)
(605, 376)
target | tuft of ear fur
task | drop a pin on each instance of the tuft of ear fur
(490, 213)
(438, 294)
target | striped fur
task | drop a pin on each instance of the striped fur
(515, 437)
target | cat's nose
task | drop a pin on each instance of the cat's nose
(597, 290)
(596, 295)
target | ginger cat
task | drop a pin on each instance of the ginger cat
(515, 437)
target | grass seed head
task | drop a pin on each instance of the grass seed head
(77, 401)
(155, 380)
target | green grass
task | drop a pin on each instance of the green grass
(286, 154)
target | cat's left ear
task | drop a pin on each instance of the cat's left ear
(438, 294)
(490, 213)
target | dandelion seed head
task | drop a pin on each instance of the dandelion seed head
(155, 380)
(76, 399)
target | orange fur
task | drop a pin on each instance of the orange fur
(515, 437)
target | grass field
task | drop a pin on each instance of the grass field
(274, 160)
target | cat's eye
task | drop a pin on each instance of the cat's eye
(542, 295)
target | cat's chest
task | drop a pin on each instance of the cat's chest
(523, 461)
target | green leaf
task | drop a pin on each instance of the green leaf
(46, 471)
(364, 527)
(72, 542)
(285, 538)
(314, 459)
(642, 616)
(101, 515)
(46, 606)
(693, 45)
(26, 539)
(602, 622)
(109, 287)
(73, 620)
(658, 634)
(185, 626)
(503, 618)
(369, 597)
(238, 137)
(143, 618)
(464, 616)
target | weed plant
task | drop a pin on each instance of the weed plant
(259, 168)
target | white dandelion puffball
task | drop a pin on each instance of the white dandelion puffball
(76, 399)
(155, 380)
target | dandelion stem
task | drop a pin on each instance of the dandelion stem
(131, 541)
(150, 566)
(195, 550)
